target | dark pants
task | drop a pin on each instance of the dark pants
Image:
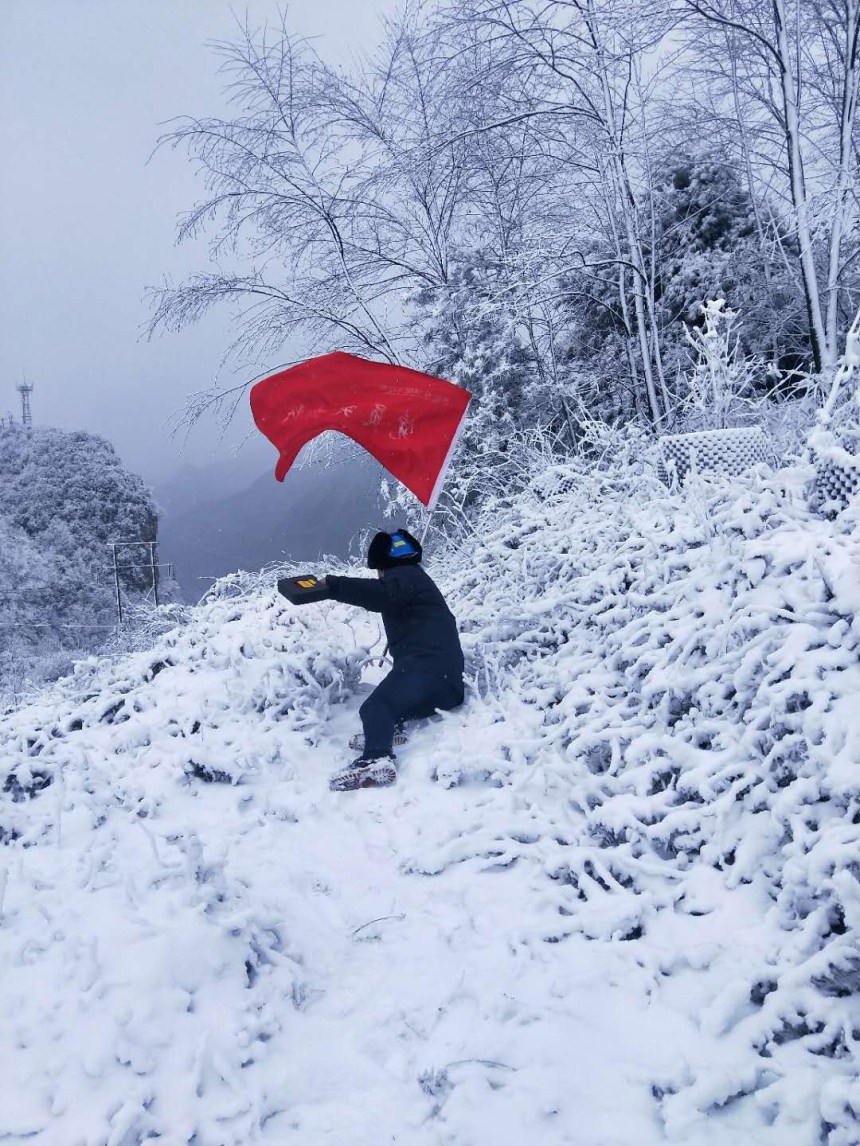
(409, 692)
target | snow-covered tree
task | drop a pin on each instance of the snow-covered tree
(64, 498)
(472, 341)
(708, 246)
(71, 493)
(560, 152)
(788, 72)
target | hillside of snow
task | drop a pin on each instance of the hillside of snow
(614, 900)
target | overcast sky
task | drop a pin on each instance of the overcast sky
(86, 223)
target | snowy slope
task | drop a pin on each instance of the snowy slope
(615, 899)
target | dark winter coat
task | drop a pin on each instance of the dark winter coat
(418, 624)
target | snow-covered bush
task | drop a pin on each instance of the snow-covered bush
(121, 752)
(720, 384)
(692, 667)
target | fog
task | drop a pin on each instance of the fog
(87, 218)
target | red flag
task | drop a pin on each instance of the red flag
(407, 420)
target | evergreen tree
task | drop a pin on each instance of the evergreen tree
(471, 340)
(64, 497)
(709, 246)
(48, 476)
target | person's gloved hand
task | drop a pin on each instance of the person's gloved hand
(303, 589)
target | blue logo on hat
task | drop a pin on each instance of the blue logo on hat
(400, 547)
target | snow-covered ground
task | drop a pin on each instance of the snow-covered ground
(612, 901)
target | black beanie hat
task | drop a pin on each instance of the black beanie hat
(388, 550)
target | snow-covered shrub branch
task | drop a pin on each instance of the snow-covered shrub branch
(533, 200)
(649, 807)
(721, 381)
(690, 668)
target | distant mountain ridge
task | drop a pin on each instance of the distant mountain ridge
(317, 510)
(196, 482)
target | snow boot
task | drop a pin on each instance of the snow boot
(365, 772)
(356, 743)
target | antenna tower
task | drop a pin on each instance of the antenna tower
(25, 390)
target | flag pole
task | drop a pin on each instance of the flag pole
(443, 472)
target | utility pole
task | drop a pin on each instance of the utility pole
(153, 569)
(151, 563)
(116, 587)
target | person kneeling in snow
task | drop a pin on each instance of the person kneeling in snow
(427, 674)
